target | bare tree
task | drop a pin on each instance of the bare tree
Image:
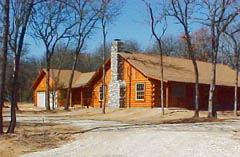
(217, 15)
(153, 23)
(86, 16)
(172, 46)
(4, 59)
(21, 11)
(132, 46)
(51, 23)
(182, 11)
(57, 85)
(233, 34)
(110, 9)
(104, 33)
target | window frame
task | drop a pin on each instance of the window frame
(99, 93)
(136, 92)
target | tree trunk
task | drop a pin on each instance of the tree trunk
(16, 64)
(196, 113)
(47, 105)
(236, 84)
(104, 77)
(161, 54)
(4, 61)
(162, 92)
(104, 91)
(14, 92)
(66, 105)
(1, 120)
(53, 99)
(211, 91)
(192, 56)
(211, 110)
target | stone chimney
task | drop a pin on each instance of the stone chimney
(116, 98)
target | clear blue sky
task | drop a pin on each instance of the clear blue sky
(129, 25)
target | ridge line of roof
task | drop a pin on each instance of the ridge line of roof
(175, 57)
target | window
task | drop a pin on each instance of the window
(140, 91)
(100, 93)
(122, 92)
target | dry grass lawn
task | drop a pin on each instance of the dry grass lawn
(31, 137)
(128, 115)
(146, 115)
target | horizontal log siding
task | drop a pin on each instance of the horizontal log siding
(156, 93)
(94, 100)
(131, 77)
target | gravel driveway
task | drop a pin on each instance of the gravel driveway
(118, 139)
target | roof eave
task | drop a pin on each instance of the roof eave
(37, 78)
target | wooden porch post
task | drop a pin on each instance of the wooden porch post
(167, 95)
(130, 86)
(71, 99)
(81, 97)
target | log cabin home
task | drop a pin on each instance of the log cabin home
(58, 82)
(133, 80)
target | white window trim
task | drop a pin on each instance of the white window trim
(136, 92)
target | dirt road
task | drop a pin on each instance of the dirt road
(117, 139)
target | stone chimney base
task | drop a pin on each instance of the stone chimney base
(116, 94)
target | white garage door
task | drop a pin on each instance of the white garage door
(40, 99)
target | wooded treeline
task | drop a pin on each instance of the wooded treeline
(91, 61)
(64, 27)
